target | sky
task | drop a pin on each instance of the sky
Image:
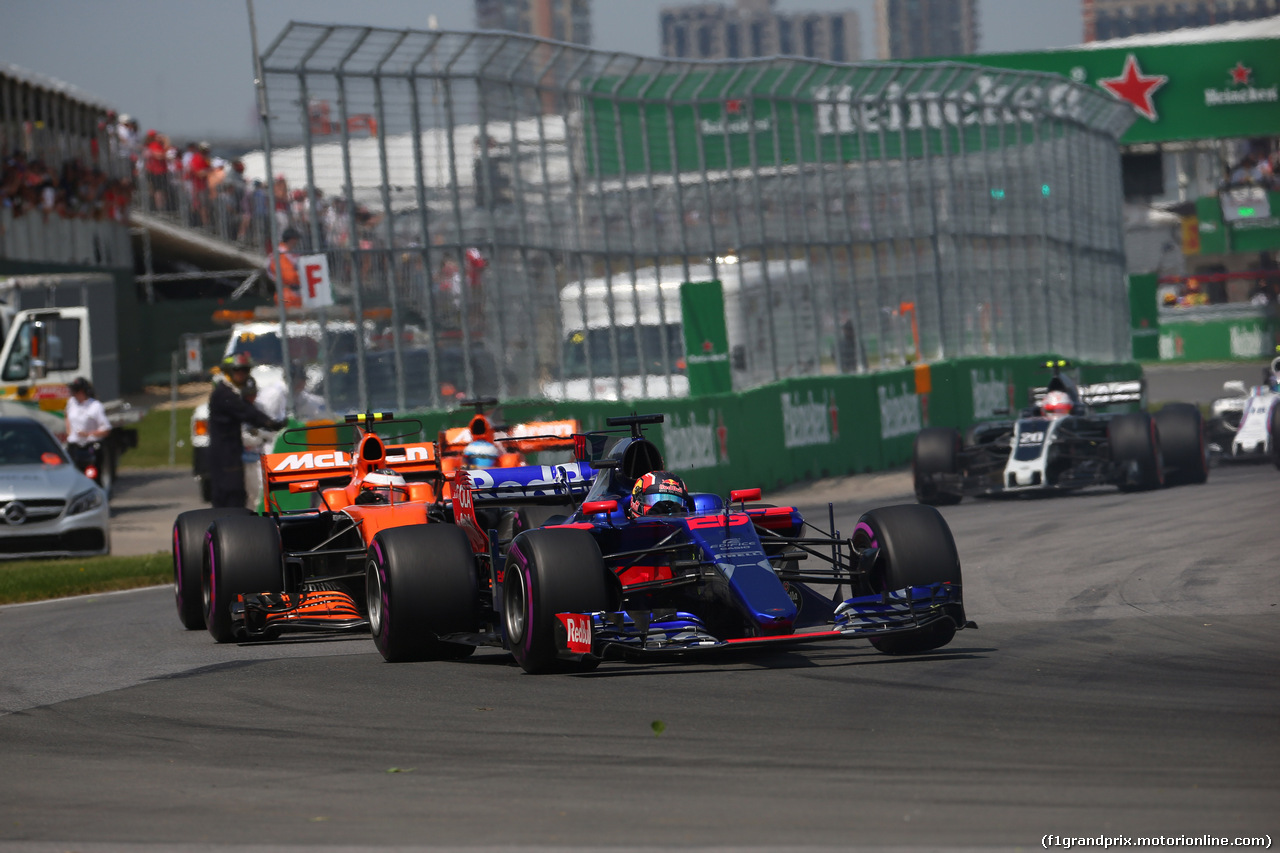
(186, 67)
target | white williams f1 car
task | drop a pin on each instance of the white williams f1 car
(1246, 424)
(1060, 443)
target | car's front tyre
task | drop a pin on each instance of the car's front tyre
(420, 584)
(916, 548)
(188, 561)
(1182, 443)
(1135, 449)
(242, 555)
(550, 571)
(936, 451)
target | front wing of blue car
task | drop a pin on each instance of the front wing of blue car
(665, 632)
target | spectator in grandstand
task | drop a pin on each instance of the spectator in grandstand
(255, 210)
(156, 168)
(280, 197)
(12, 180)
(197, 168)
(128, 144)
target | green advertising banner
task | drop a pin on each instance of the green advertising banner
(706, 340)
(1218, 340)
(759, 115)
(1217, 90)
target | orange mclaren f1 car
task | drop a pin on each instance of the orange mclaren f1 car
(246, 576)
(484, 444)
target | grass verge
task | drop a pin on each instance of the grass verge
(37, 580)
(153, 441)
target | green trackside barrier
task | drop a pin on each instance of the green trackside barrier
(1249, 335)
(808, 428)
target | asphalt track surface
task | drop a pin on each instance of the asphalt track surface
(1124, 682)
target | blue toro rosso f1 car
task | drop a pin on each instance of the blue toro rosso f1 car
(690, 573)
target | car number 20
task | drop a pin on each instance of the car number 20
(1031, 438)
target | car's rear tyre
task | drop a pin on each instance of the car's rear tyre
(188, 561)
(420, 584)
(916, 548)
(1275, 433)
(242, 555)
(1182, 443)
(936, 451)
(548, 572)
(1135, 448)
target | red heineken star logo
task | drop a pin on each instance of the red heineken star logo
(1240, 74)
(1134, 88)
(733, 107)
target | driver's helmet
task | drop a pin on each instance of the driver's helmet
(658, 493)
(378, 487)
(1056, 404)
(481, 454)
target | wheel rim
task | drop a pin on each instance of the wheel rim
(514, 607)
(373, 595)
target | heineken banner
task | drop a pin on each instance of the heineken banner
(706, 342)
(761, 114)
(1216, 90)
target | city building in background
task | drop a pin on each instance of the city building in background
(561, 20)
(1109, 19)
(915, 29)
(752, 28)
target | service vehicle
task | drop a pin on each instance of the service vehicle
(1062, 443)
(47, 507)
(59, 328)
(699, 575)
(643, 322)
(242, 575)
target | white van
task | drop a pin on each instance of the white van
(646, 316)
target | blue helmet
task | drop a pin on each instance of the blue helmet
(481, 454)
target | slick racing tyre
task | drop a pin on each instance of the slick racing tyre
(1135, 448)
(420, 584)
(1182, 442)
(188, 559)
(242, 555)
(936, 451)
(550, 572)
(1275, 434)
(916, 548)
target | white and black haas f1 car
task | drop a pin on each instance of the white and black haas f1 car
(687, 575)
(1060, 443)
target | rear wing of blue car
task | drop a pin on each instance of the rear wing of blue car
(527, 484)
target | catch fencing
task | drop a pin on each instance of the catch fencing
(523, 212)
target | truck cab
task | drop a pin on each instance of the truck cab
(44, 350)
